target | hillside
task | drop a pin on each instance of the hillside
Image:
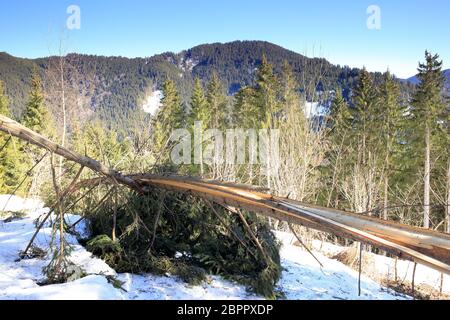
(122, 84)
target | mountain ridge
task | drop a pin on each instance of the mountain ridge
(123, 83)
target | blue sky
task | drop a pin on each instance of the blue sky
(335, 30)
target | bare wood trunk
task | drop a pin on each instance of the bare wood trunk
(448, 197)
(426, 188)
(63, 109)
(60, 209)
(413, 280)
(360, 268)
(386, 188)
(113, 235)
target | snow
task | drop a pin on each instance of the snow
(302, 278)
(153, 102)
(314, 109)
(383, 267)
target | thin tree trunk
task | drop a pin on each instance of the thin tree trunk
(386, 187)
(426, 189)
(413, 280)
(360, 268)
(64, 120)
(60, 209)
(448, 197)
(386, 183)
(113, 235)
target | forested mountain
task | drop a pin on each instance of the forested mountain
(119, 84)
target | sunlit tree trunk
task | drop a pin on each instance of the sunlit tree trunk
(426, 189)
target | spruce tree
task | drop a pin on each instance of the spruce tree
(36, 116)
(288, 88)
(364, 114)
(199, 104)
(428, 105)
(4, 142)
(245, 109)
(340, 114)
(267, 87)
(199, 112)
(217, 103)
(12, 167)
(390, 119)
(169, 117)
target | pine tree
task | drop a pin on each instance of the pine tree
(36, 116)
(199, 104)
(364, 140)
(340, 147)
(267, 87)
(288, 88)
(199, 112)
(390, 122)
(4, 142)
(427, 106)
(364, 111)
(170, 117)
(12, 167)
(217, 103)
(340, 114)
(245, 109)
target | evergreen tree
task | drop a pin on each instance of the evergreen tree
(96, 141)
(428, 105)
(217, 103)
(340, 114)
(267, 87)
(36, 116)
(170, 117)
(245, 109)
(288, 87)
(4, 143)
(11, 164)
(199, 104)
(199, 112)
(339, 151)
(390, 118)
(364, 115)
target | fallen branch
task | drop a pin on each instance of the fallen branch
(63, 194)
(304, 245)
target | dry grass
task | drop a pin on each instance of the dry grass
(350, 257)
(420, 292)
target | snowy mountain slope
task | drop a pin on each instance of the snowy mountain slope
(301, 279)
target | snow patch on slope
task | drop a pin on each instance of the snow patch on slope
(314, 109)
(152, 102)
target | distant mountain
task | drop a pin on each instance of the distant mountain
(122, 84)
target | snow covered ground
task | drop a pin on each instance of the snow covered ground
(302, 278)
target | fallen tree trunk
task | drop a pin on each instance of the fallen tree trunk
(428, 247)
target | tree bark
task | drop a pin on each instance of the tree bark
(386, 188)
(426, 188)
(448, 197)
